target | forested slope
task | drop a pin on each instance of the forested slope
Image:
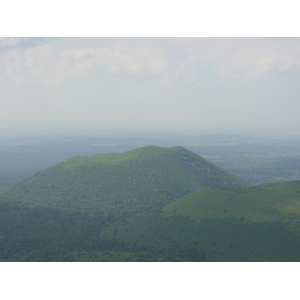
(123, 183)
(260, 223)
(33, 232)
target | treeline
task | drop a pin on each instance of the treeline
(31, 232)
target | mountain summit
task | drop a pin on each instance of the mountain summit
(123, 183)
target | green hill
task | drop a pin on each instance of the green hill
(123, 183)
(260, 223)
(263, 203)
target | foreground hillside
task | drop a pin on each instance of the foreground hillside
(31, 232)
(260, 223)
(128, 182)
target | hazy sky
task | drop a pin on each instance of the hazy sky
(213, 83)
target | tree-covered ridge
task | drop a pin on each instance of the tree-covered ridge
(221, 224)
(135, 156)
(123, 183)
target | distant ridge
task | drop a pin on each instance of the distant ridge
(123, 183)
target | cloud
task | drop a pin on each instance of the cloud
(113, 61)
(30, 65)
(10, 42)
(243, 57)
(200, 80)
(171, 60)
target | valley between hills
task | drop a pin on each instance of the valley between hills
(148, 204)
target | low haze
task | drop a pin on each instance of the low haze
(151, 83)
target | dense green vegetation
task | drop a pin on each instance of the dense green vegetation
(128, 182)
(31, 232)
(179, 238)
(261, 203)
(148, 204)
(259, 223)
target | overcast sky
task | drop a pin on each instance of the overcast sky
(211, 83)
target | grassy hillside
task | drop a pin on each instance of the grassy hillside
(262, 203)
(221, 224)
(123, 183)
